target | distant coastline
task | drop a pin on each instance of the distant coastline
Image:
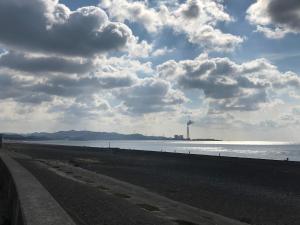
(74, 135)
(205, 139)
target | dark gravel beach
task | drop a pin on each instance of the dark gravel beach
(261, 192)
(3, 207)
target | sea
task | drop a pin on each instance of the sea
(244, 149)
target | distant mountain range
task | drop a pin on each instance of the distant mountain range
(80, 136)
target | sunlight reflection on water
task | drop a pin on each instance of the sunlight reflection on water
(246, 149)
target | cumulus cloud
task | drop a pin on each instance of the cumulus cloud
(20, 90)
(161, 51)
(108, 74)
(229, 86)
(151, 95)
(76, 110)
(44, 64)
(191, 10)
(197, 19)
(115, 66)
(136, 11)
(288, 119)
(296, 111)
(71, 95)
(216, 121)
(275, 18)
(67, 86)
(294, 95)
(48, 26)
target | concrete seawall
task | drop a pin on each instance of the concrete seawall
(29, 202)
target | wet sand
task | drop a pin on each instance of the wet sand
(262, 192)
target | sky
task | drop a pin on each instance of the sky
(230, 66)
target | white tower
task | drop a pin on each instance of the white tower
(188, 132)
(188, 129)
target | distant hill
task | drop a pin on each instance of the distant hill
(81, 136)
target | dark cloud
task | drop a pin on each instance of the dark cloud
(275, 18)
(213, 88)
(285, 13)
(151, 95)
(219, 78)
(74, 111)
(229, 86)
(32, 64)
(66, 86)
(46, 26)
(8, 87)
(192, 10)
(113, 82)
(248, 102)
(36, 92)
(33, 98)
(20, 91)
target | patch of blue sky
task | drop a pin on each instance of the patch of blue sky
(139, 31)
(196, 99)
(75, 4)
(282, 52)
(170, 3)
(181, 48)
(2, 50)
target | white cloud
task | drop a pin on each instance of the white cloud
(161, 51)
(138, 49)
(122, 10)
(68, 111)
(294, 95)
(197, 19)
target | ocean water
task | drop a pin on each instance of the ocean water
(249, 149)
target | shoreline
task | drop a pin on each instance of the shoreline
(255, 191)
(217, 154)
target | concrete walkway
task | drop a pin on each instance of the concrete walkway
(158, 205)
(30, 202)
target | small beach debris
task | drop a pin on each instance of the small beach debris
(149, 207)
(121, 195)
(184, 222)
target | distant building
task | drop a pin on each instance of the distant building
(178, 137)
